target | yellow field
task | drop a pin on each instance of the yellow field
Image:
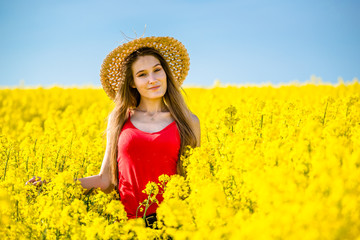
(274, 163)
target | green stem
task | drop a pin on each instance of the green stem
(7, 160)
(17, 210)
(27, 164)
(136, 215)
(147, 204)
(42, 161)
(34, 149)
(323, 121)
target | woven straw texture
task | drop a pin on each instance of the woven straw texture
(174, 52)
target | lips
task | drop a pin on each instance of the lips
(154, 88)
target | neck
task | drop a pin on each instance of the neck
(151, 106)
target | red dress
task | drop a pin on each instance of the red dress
(143, 157)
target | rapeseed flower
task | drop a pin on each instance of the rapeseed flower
(274, 163)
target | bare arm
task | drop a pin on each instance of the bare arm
(103, 179)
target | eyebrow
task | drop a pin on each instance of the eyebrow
(144, 70)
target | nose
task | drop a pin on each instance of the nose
(152, 79)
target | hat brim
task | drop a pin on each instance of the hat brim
(172, 50)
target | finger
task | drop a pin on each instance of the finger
(31, 180)
(37, 183)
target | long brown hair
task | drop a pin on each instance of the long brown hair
(128, 98)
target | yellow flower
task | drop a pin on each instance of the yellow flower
(151, 188)
(274, 163)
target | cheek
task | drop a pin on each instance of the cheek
(138, 83)
(164, 75)
(165, 86)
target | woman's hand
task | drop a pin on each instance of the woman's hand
(36, 181)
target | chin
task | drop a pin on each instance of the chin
(158, 94)
(153, 94)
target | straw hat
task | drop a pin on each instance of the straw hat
(112, 72)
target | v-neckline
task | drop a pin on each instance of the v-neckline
(151, 132)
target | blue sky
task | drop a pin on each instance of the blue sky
(238, 42)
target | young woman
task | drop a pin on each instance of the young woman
(150, 126)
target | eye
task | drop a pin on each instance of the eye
(157, 69)
(142, 75)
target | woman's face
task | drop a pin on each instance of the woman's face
(149, 77)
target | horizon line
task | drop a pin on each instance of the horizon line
(217, 83)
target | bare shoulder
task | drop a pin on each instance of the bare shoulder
(195, 120)
(196, 124)
(110, 117)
